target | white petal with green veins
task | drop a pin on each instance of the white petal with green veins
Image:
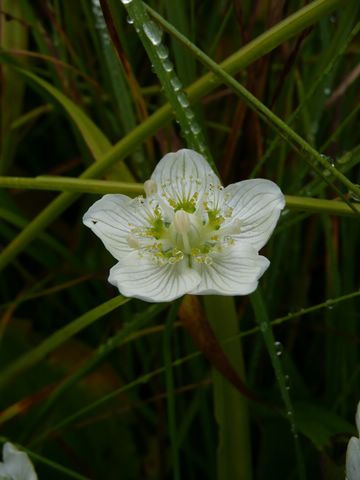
(257, 204)
(138, 276)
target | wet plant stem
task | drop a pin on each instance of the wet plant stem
(231, 409)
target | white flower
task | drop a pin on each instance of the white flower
(189, 235)
(16, 465)
(353, 452)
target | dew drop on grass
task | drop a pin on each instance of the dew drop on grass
(168, 66)
(184, 102)
(175, 83)
(129, 20)
(202, 147)
(189, 114)
(153, 32)
(195, 128)
(327, 91)
(278, 348)
(126, 2)
(162, 52)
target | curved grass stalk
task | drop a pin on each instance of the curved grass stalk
(102, 187)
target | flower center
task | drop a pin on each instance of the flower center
(173, 230)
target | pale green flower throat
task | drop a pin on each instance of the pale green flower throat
(193, 225)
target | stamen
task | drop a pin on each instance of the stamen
(133, 242)
(150, 188)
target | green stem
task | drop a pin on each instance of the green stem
(102, 187)
(231, 410)
(170, 388)
(68, 184)
(319, 205)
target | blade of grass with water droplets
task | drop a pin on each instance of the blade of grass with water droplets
(274, 351)
(151, 35)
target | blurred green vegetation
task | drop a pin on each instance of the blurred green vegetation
(83, 382)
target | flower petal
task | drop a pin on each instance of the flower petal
(137, 276)
(183, 174)
(110, 219)
(257, 204)
(353, 459)
(235, 271)
(16, 464)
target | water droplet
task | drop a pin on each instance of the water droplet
(327, 91)
(189, 114)
(129, 20)
(330, 160)
(168, 66)
(195, 128)
(184, 102)
(278, 348)
(202, 147)
(153, 32)
(287, 382)
(162, 52)
(329, 304)
(176, 84)
(126, 2)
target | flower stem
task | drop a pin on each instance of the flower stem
(170, 388)
(231, 410)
